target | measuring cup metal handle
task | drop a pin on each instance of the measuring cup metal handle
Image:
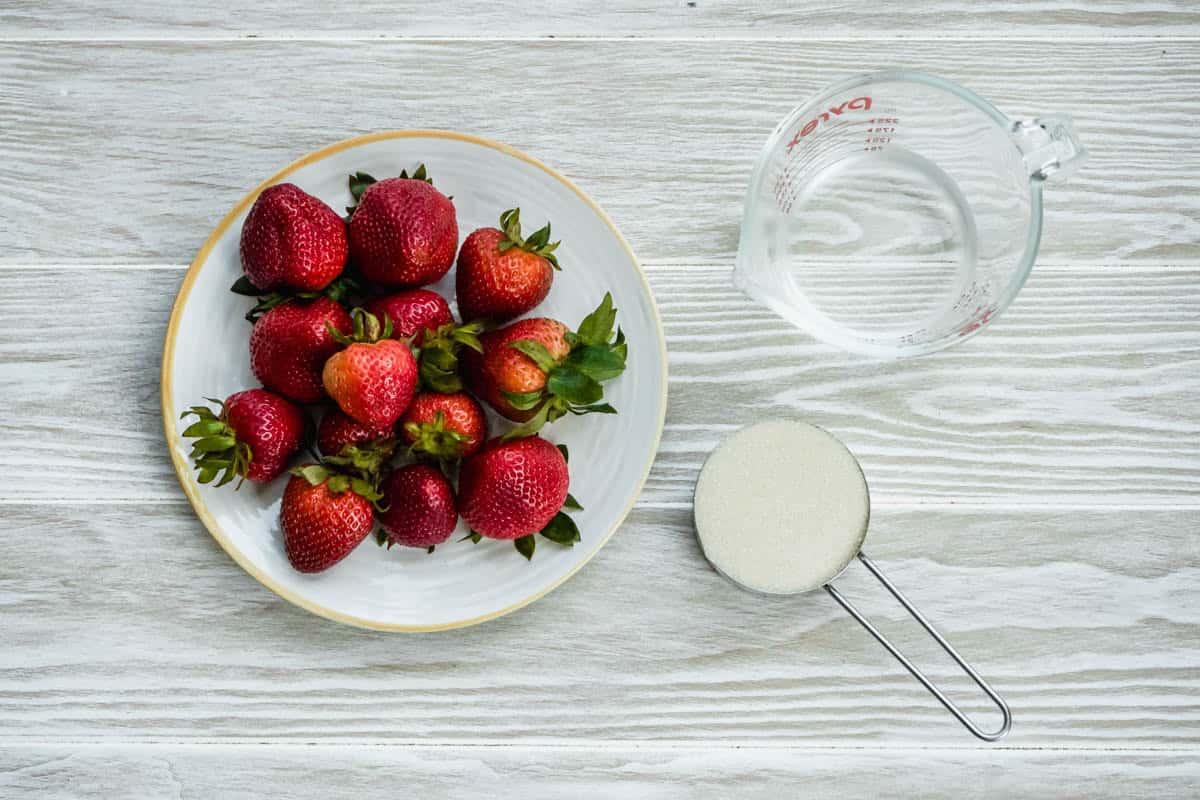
(989, 736)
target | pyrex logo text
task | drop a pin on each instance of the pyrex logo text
(857, 104)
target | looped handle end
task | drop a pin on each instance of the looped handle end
(987, 736)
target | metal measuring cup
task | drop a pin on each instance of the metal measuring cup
(850, 472)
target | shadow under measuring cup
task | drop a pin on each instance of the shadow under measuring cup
(782, 508)
(897, 213)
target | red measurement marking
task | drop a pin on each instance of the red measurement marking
(857, 104)
(979, 323)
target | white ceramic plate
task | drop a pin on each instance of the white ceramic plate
(206, 355)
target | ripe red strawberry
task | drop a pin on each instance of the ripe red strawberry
(413, 313)
(374, 378)
(403, 231)
(324, 516)
(291, 343)
(535, 370)
(446, 427)
(420, 507)
(337, 430)
(510, 490)
(254, 435)
(501, 275)
(291, 239)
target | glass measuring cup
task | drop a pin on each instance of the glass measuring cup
(897, 213)
(782, 508)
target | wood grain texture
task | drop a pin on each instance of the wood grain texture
(1035, 490)
(129, 623)
(175, 771)
(162, 138)
(1083, 392)
(635, 18)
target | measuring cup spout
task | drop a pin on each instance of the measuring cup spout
(1049, 145)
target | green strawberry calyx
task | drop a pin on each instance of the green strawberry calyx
(368, 328)
(337, 482)
(216, 450)
(432, 440)
(359, 182)
(367, 460)
(573, 385)
(437, 357)
(340, 289)
(537, 242)
(561, 529)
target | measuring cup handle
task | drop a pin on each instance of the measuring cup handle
(988, 736)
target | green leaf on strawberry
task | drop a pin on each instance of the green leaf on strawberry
(434, 440)
(368, 459)
(368, 328)
(595, 408)
(339, 290)
(437, 357)
(338, 482)
(243, 286)
(523, 401)
(359, 182)
(537, 242)
(315, 474)
(573, 385)
(561, 529)
(216, 450)
(572, 504)
(525, 546)
(599, 362)
(596, 328)
(537, 352)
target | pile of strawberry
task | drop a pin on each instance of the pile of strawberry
(342, 330)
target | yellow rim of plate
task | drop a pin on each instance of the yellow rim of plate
(183, 470)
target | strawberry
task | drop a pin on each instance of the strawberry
(413, 313)
(360, 450)
(374, 378)
(291, 239)
(252, 437)
(514, 489)
(338, 431)
(536, 370)
(403, 232)
(420, 507)
(290, 344)
(324, 515)
(501, 274)
(447, 427)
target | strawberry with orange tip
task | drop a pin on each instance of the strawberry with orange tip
(535, 370)
(374, 377)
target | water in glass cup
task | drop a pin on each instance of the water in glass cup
(896, 213)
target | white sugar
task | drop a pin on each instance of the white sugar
(781, 507)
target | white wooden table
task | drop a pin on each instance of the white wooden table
(1035, 489)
